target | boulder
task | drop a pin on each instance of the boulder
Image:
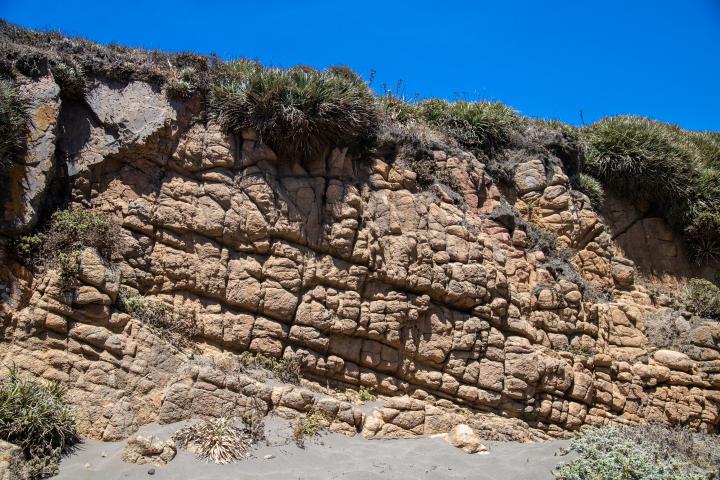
(141, 450)
(465, 438)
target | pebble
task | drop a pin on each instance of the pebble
(103, 454)
(87, 465)
(268, 457)
(151, 471)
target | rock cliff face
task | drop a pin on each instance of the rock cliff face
(342, 261)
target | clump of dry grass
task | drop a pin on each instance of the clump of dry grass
(284, 369)
(218, 440)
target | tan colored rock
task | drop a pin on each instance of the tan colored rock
(141, 450)
(465, 438)
(674, 360)
(11, 461)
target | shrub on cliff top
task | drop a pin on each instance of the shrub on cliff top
(484, 126)
(297, 111)
(35, 417)
(648, 452)
(673, 171)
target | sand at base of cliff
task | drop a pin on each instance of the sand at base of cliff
(328, 456)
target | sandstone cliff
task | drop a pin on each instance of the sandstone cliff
(510, 298)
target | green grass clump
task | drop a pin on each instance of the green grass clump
(650, 452)
(296, 112)
(703, 297)
(480, 126)
(638, 157)
(674, 172)
(35, 417)
(590, 186)
(13, 125)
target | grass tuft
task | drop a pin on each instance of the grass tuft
(217, 440)
(297, 111)
(35, 417)
(480, 126)
(590, 186)
(674, 172)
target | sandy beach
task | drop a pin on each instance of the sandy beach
(327, 456)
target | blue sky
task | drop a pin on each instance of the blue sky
(550, 58)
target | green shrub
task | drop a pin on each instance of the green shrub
(296, 111)
(309, 426)
(673, 171)
(590, 186)
(481, 126)
(703, 297)
(35, 417)
(13, 125)
(61, 243)
(650, 452)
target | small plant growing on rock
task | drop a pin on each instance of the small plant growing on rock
(309, 426)
(218, 440)
(362, 395)
(284, 369)
(35, 417)
(61, 243)
(581, 350)
(183, 84)
(590, 186)
(703, 297)
(178, 331)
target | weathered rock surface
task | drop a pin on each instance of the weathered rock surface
(346, 264)
(465, 438)
(11, 461)
(141, 450)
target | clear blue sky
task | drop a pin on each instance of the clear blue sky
(659, 58)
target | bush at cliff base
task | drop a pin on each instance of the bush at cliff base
(649, 452)
(35, 417)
